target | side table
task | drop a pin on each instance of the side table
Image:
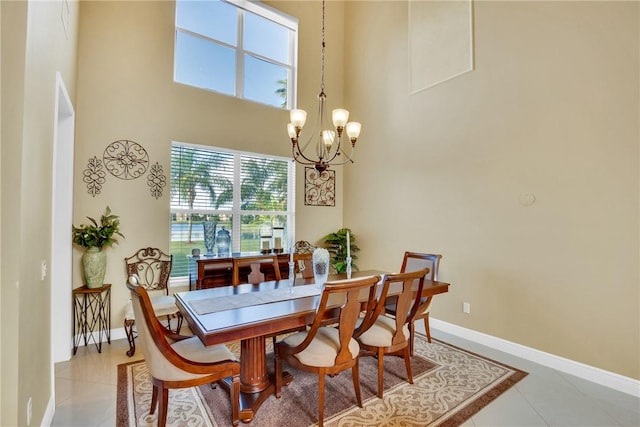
(91, 312)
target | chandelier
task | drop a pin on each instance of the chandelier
(329, 148)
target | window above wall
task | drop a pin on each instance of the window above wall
(238, 48)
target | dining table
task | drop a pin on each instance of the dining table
(250, 313)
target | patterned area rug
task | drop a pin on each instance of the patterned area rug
(450, 386)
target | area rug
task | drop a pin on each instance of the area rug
(450, 386)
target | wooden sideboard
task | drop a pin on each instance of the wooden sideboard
(212, 272)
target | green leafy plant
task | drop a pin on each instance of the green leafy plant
(336, 244)
(94, 235)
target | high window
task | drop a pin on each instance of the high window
(231, 190)
(236, 47)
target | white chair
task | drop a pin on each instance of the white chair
(176, 361)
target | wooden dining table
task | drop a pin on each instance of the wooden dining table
(215, 321)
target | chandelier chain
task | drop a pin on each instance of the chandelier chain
(323, 46)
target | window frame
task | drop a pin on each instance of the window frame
(266, 12)
(236, 212)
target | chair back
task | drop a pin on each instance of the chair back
(304, 264)
(155, 347)
(345, 298)
(405, 301)
(417, 261)
(254, 269)
(153, 268)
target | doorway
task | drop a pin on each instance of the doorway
(61, 222)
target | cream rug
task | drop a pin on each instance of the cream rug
(450, 386)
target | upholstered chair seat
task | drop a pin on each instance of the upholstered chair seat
(381, 333)
(322, 351)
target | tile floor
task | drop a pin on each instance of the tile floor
(86, 393)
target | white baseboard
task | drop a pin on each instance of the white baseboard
(581, 370)
(590, 373)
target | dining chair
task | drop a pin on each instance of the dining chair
(303, 265)
(177, 361)
(258, 267)
(381, 335)
(327, 350)
(152, 267)
(415, 261)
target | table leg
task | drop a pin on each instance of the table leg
(255, 384)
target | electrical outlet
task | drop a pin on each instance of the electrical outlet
(466, 308)
(43, 270)
(29, 409)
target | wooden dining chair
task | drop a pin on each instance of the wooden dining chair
(327, 350)
(152, 267)
(255, 269)
(415, 261)
(303, 265)
(176, 361)
(381, 335)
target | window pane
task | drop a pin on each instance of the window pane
(201, 179)
(187, 232)
(263, 184)
(204, 64)
(250, 233)
(266, 38)
(214, 19)
(204, 188)
(265, 82)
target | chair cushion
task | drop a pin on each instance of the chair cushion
(380, 334)
(322, 351)
(163, 305)
(193, 349)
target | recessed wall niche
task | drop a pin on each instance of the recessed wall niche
(440, 42)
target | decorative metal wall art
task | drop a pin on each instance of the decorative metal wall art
(126, 159)
(156, 180)
(319, 187)
(94, 176)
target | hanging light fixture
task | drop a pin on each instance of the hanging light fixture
(328, 142)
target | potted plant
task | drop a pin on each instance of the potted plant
(94, 237)
(336, 244)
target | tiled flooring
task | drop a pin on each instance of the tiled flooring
(86, 393)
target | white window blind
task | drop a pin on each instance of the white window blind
(238, 191)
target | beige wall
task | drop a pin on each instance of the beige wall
(126, 91)
(34, 48)
(551, 109)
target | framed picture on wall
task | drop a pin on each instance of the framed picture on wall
(319, 187)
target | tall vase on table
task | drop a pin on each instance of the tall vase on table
(209, 236)
(320, 261)
(94, 266)
(95, 238)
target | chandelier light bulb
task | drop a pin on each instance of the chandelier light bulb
(298, 118)
(328, 136)
(340, 117)
(291, 130)
(353, 130)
